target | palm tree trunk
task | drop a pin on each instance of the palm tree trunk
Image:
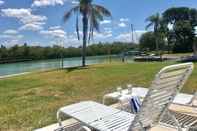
(157, 44)
(156, 40)
(168, 44)
(194, 48)
(85, 33)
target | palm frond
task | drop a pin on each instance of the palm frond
(149, 25)
(68, 14)
(96, 13)
(102, 10)
(150, 18)
(77, 26)
(91, 33)
(94, 19)
(154, 20)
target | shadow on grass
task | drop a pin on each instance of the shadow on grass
(71, 69)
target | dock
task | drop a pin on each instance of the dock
(154, 58)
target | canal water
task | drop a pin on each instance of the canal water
(22, 67)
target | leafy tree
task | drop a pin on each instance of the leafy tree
(3, 52)
(14, 53)
(25, 52)
(184, 36)
(91, 15)
(184, 21)
(148, 41)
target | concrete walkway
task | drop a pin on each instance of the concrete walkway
(7, 76)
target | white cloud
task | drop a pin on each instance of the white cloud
(127, 37)
(6, 36)
(124, 20)
(55, 27)
(1, 2)
(10, 37)
(71, 40)
(102, 35)
(40, 3)
(54, 33)
(75, 2)
(122, 24)
(32, 26)
(10, 32)
(26, 17)
(58, 36)
(11, 42)
(105, 22)
(18, 13)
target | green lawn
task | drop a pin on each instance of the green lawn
(31, 101)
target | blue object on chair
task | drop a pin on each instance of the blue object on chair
(135, 104)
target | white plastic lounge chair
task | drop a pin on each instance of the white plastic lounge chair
(161, 94)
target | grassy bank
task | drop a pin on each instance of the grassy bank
(31, 101)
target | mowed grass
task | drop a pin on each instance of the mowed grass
(31, 101)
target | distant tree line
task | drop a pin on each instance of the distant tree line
(174, 30)
(25, 52)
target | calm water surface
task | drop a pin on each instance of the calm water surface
(15, 68)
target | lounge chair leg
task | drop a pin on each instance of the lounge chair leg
(59, 121)
(144, 128)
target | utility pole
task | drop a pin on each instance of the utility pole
(132, 37)
(62, 54)
(61, 44)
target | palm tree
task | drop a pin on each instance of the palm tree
(155, 21)
(91, 14)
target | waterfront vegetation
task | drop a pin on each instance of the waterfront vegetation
(31, 101)
(25, 52)
(175, 28)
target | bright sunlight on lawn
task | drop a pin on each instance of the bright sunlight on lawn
(31, 101)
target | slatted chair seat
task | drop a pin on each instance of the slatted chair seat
(185, 120)
(167, 83)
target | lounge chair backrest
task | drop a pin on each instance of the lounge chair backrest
(167, 83)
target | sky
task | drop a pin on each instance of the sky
(40, 22)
